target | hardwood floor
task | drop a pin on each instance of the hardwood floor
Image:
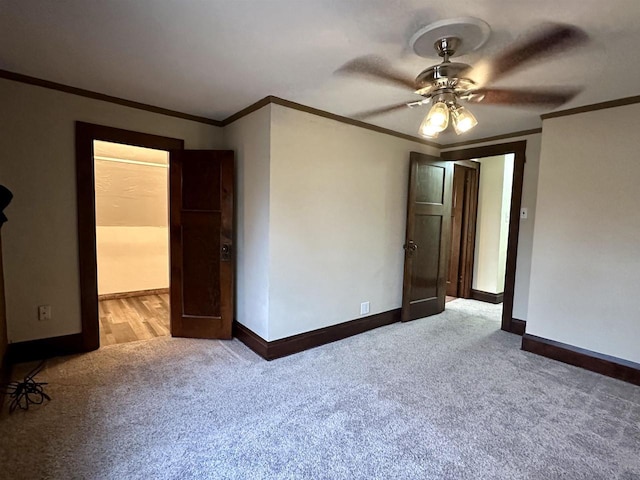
(131, 319)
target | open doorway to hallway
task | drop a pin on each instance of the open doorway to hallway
(481, 213)
(132, 241)
(428, 230)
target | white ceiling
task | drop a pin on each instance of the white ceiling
(212, 58)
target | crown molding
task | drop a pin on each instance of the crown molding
(593, 107)
(18, 77)
(271, 99)
(322, 113)
(246, 111)
(39, 82)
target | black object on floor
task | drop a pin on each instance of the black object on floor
(25, 393)
(5, 199)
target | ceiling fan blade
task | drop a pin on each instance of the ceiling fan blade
(509, 96)
(382, 110)
(549, 40)
(376, 68)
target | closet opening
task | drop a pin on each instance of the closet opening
(132, 241)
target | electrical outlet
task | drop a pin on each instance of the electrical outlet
(364, 308)
(44, 313)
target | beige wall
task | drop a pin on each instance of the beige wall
(525, 236)
(507, 187)
(586, 249)
(321, 210)
(249, 137)
(492, 225)
(337, 221)
(38, 164)
(131, 259)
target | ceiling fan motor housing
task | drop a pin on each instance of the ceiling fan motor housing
(445, 75)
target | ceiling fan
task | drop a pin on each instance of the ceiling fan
(448, 83)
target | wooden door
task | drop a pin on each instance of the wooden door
(457, 213)
(468, 234)
(427, 237)
(464, 212)
(201, 243)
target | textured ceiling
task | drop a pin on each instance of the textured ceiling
(129, 152)
(212, 58)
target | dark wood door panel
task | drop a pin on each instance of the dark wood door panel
(201, 183)
(201, 263)
(427, 237)
(463, 228)
(468, 234)
(425, 264)
(202, 255)
(193, 327)
(457, 212)
(430, 184)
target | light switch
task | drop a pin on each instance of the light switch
(523, 213)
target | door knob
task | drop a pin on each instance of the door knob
(410, 247)
(225, 252)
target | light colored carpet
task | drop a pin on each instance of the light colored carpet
(448, 397)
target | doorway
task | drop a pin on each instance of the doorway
(428, 231)
(512, 213)
(464, 211)
(492, 228)
(480, 217)
(86, 135)
(201, 251)
(132, 241)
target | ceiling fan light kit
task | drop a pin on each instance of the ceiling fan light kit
(443, 113)
(436, 121)
(448, 83)
(444, 85)
(463, 120)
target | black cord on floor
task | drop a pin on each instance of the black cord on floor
(25, 393)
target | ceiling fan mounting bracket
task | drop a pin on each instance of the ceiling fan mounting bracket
(470, 34)
(447, 46)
